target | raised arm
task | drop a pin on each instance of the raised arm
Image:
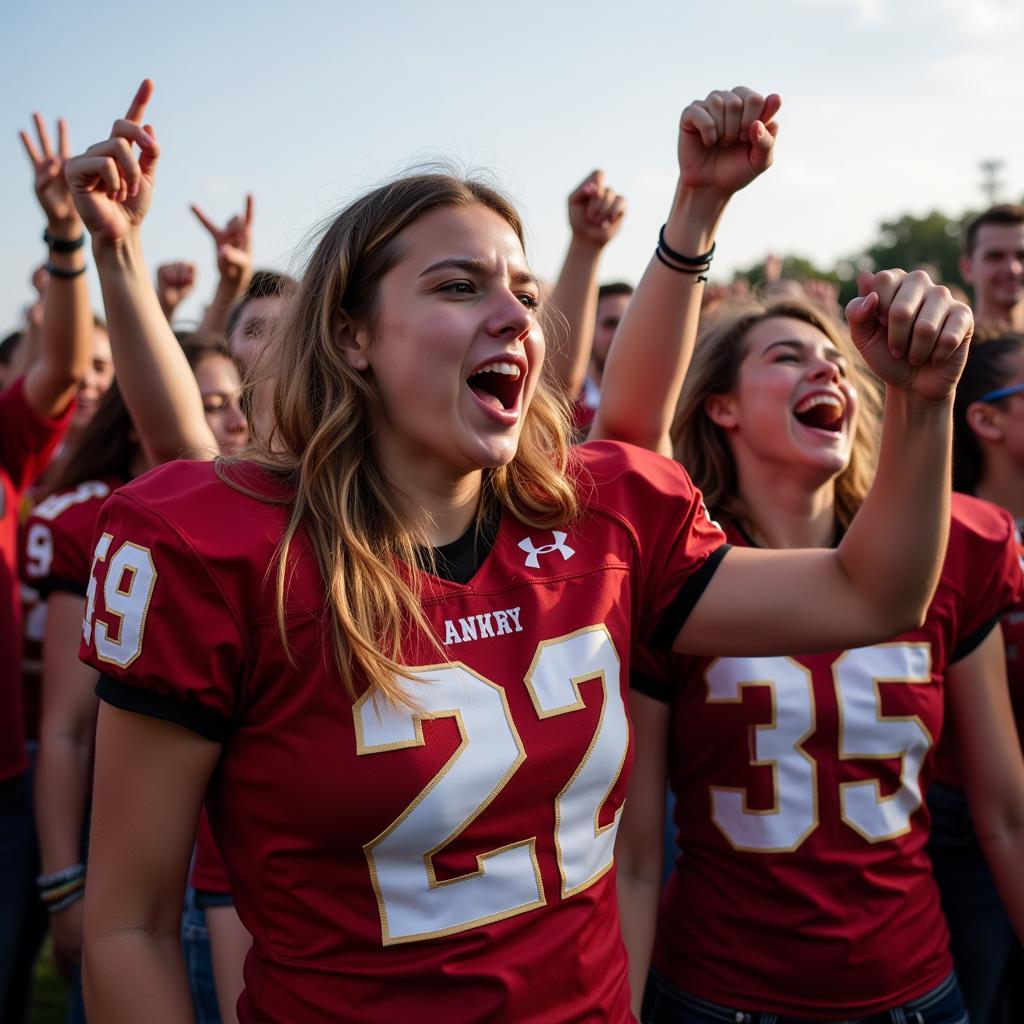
(173, 283)
(595, 216)
(112, 189)
(725, 142)
(234, 264)
(65, 350)
(879, 581)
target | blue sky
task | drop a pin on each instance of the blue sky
(888, 107)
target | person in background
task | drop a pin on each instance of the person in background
(992, 263)
(35, 413)
(988, 461)
(596, 213)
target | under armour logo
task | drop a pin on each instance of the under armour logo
(533, 552)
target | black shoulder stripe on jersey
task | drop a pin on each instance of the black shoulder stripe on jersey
(58, 586)
(973, 642)
(684, 602)
(656, 689)
(206, 898)
(211, 724)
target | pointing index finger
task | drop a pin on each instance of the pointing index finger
(205, 221)
(142, 97)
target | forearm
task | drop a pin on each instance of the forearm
(154, 376)
(894, 548)
(215, 321)
(65, 341)
(61, 785)
(575, 297)
(134, 974)
(1004, 851)
(654, 343)
(638, 915)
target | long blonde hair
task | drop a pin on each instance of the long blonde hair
(320, 442)
(701, 445)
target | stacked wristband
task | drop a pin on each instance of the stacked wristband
(59, 890)
(63, 245)
(681, 264)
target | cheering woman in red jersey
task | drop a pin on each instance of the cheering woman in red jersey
(802, 890)
(416, 791)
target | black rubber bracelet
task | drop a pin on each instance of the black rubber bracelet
(699, 271)
(64, 244)
(690, 261)
(61, 272)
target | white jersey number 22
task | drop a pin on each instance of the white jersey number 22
(413, 903)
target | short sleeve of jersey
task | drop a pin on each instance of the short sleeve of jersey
(26, 440)
(209, 873)
(678, 545)
(57, 549)
(159, 627)
(984, 559)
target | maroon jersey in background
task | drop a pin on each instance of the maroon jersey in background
(26, 444)
(803, 883)
(451, 864)
(56, 552)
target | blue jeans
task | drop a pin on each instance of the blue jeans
(981, 935)
(666, 1004)
(195, 941)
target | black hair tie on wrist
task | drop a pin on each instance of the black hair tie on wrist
(678, 257)
(61, 272)
(63, 245)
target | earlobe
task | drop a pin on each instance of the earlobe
(983, 420)
(351, 342)
(720, 409)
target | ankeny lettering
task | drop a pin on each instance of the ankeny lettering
(482, 627)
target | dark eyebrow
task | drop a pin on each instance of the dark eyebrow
(519, 277)
(801, 347)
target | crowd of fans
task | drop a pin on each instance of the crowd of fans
(352, 643)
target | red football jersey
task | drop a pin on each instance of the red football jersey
(26, 443)
(56, 552)
(450, 863)
(209, 873)
(803, 885)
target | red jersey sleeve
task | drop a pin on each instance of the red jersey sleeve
(984, 559)
(159, 627)
(58, 539)
(209, 875)
(678, 545)
(27, 440)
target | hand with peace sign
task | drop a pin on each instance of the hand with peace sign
(49, 182)
(727, 139)
(111, 186)
(234, 246)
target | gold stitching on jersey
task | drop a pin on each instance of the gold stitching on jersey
(100, 624)
(770, 763)
(876, 684)
(363, 748)
(578, 705)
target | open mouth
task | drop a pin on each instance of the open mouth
(820, 412)
(497, 385)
